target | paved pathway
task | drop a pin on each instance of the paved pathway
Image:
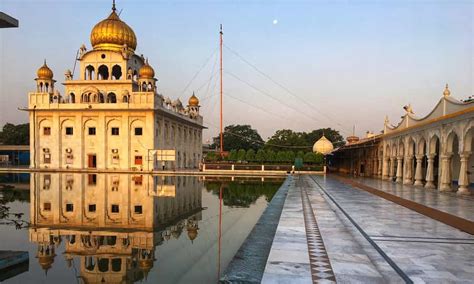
(425, 250)
(449, 202)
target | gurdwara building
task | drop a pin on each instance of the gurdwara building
(111, 115)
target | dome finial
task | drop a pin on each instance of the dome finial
(446, 91)
(113, 6)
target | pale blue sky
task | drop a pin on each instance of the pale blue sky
(356, 61)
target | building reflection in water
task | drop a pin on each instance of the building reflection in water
(111, 223)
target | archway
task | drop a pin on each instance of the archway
(111, 98)
(465, 186)
(451, 162)
(103, 72)
(432, 170)
(116, 72)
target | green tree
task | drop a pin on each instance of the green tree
(239, 137)
(318, 158)
(281, 156)
(212, 156)
(250, 156)
(270, 156)
(291, 156)
(241, 155)
(309, 157)
(15, 134)
(260, 156)
(288, 138)
(233, 155)
(300, 154)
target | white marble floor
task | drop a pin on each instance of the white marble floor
(426, 250)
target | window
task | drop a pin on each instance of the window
(138, 180)
(47, 158)
(69, 207)
(115, 131)
(138, 160)
(47, 206)
(138, 209)
(69, 131)
(47, 131)
(115, 208)
(91, 130)
(47, 182)
(138, 131)
(91, 207)
(92, 178)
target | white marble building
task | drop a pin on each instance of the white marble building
(111, 115)
(434, 151)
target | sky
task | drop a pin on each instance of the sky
(298, 65)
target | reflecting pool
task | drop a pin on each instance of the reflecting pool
(120, 228)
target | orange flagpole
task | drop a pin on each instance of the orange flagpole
(221, 115)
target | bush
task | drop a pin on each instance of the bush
(241, 155)
(250, 156)
(260, 156)
(233, 155)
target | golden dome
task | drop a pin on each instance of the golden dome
(146, 71)
(112, 33)
(192, 233)
(145, 264)
(352, 139)
(44, 72)
(193, 101)
(323, 146)
(446, 92)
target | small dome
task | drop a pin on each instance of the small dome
(193, 101)
(112, 34)
(44, 72)
(352, 139)
(146, 71)
(446, 92)
(192, 233)
(323, 146)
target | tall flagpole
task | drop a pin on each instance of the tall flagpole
(221, 134)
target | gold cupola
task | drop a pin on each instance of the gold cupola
(323, 146)
(193, 101)
(44, 72)
(112, 34)
(146, 71)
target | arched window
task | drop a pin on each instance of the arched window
(112, 98)
(85, 98)
(89, 73)
(125, 99)
(72, 98)
(129, 73)
(103, 72)
(135, 75)
(101, 98)
(143, 87)
(116, 72)
(95, 99)
(116, 264)
(150, 87)
(103, 265)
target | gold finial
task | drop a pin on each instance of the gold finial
(446, 91)
(113, 6)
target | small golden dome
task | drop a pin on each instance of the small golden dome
(192, 233)
(193, 101)
(46, 262)
(146, 71)
(44, 72)
(145, 264)
(112, 33)
(446, 92)
(352, 139)
(323, 146)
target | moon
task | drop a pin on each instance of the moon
(275, 21)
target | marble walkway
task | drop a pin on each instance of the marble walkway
(425, 250)
(449, 202)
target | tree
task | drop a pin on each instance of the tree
(332, 135)
(239, 137)
(289, 138)
(270, 156)
(241, 155)
(15, 134)
(281, 156)
(260, 156)
(250, 156)
(309, 157)
(212, 156)
(233, 155)
(291, 156)
(300, 154)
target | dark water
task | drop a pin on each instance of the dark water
(115, 228)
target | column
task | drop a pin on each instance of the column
(392, 167)
(419, 170)
(379, 170)
(408, 170)
(399, 169)
(446, 172)
(430, 172)
(375, 169)
(385, 173)
(463, 174)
